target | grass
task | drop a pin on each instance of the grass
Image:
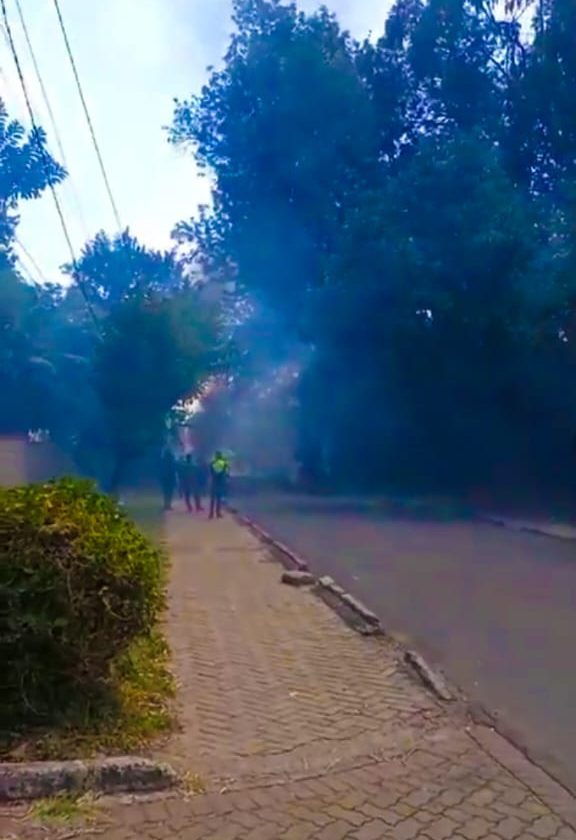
(63, 808)
(137, 704)
(137, 709)
(193, 784)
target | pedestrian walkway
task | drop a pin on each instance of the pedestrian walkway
(296, 727)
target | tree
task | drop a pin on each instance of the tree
(544, 119)
(287, 129)
(26, 169)
(405, 210)
(111, 269)
(45, 344)
(154, 352)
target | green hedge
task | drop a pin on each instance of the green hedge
(78, 583)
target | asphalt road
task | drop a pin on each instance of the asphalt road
(495, 609)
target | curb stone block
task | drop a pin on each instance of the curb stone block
(350, 609)
(354, 603)
(128, 774)
(43, 779)
(357, 605)
(429, 677)
(287, 557)
(298, 578)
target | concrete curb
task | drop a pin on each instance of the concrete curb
(351, 603)
(298, 579)
(366, 622)
(123, 774)
(288, 558)
(555, 532)
(43, 779)
(537, 778)
(431, 678)
(349, 607)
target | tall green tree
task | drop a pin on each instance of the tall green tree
(403, 208)
(153, 340)
(154, 352)
(26, 170)
(288, 130)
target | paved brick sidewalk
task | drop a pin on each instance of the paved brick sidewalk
(299, 728)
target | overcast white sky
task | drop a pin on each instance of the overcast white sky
(133, 56)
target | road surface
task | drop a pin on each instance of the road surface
(494, 608)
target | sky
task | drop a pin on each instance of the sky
(133, 57)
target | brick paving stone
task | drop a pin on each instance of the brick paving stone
(510, 828)
(300, 728)
(355, 818)
(301, 831)
(545, 827)
(419, 798)
(373, 830)
(407, 830)
(372, 811)
(264, 832)
(335, 831)
(475, 829)
(441, 829)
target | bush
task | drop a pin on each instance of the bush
(78, 583)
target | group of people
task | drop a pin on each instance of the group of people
(193, 478)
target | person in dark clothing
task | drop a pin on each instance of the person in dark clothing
(191, 483)
(168, 477)
(219, 474)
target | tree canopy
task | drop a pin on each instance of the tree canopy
(404, 208)
(101, 361)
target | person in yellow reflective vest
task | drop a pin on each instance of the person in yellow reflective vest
(219, 475)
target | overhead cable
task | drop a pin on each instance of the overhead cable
(31, 260)
(45, 160)
(23, 268)
(51, 115)
(87, 114)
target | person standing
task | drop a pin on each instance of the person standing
(191, 482)
(219, 474)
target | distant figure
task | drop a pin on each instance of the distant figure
(168, 476)
(219, 474)
(191, 482)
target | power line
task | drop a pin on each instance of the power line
(31, 260)
(45, 160)
(50, 113)
(35, 126)
(25, 271)
(87, 114)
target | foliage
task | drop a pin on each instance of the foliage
(111, 269)
(154, 352)
(26, 169)
(78, 584)
(405, 209)
(39, 351)
(286, 172)
(26, 312)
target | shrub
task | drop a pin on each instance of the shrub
(78, 583)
